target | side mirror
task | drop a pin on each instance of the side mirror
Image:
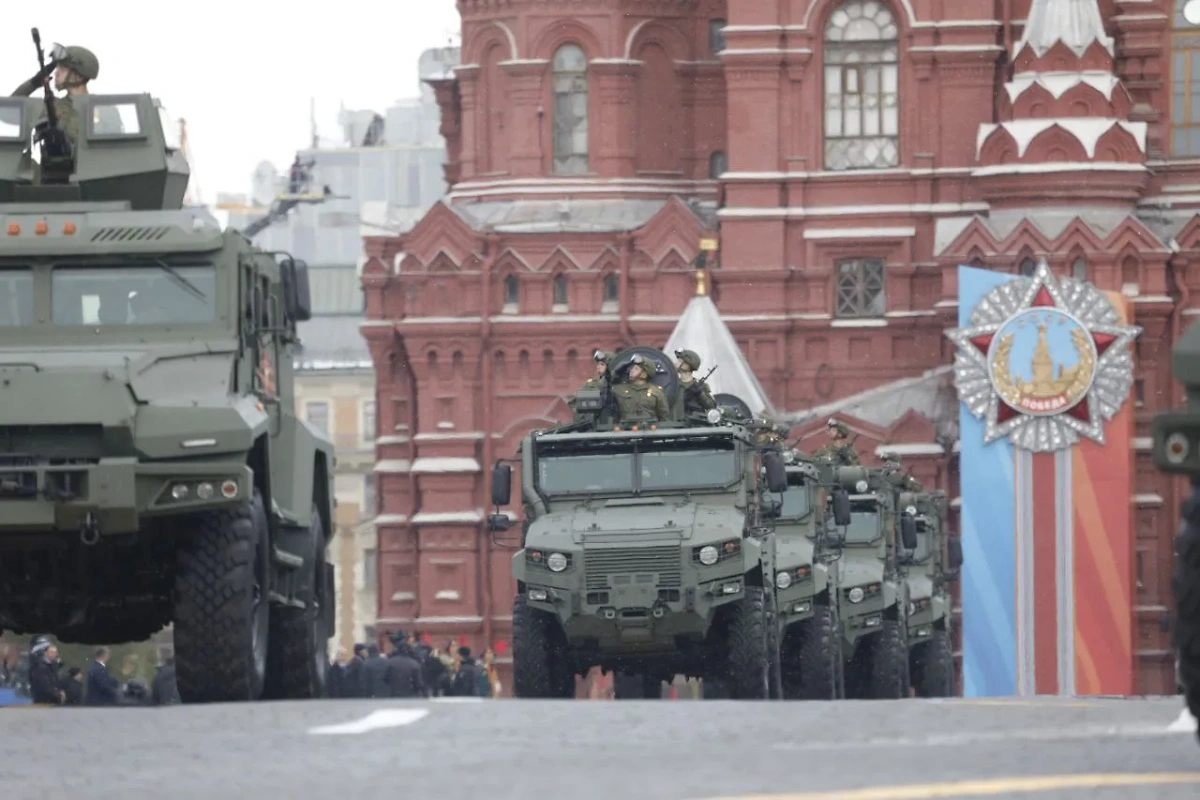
(908, 532)
(296, 290)
(776, 472)
(953, 552)
(772, 508)
(498, 523)
(841, 508)
(501, 484)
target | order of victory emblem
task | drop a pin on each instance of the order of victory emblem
(1044, 361)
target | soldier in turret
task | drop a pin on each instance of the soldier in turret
(637, 398)
(694, 398)
(838, 447)
(771, 433)
(73, 67)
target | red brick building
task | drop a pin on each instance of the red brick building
(849, 155)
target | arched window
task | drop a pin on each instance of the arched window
(1028, 267)
(570, 110)
(612, 292)
(1079, 269)
(512, 293)
(718, 164)
(862, 84)
(560, 291)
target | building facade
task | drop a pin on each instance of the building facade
(849, 155)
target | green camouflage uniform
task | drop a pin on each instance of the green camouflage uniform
(595, 382)
(840, 451)
(83, 62)
(694, 398)
(641, 400)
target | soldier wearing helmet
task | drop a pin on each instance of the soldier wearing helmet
(637, 398)
(72, 67)
(838, 447)
(603, 359)
(694, 398)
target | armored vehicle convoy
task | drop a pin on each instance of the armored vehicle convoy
(152, 470)
(929, 568)
(873, 595)
(644, 551)
(1177, 450)
(806, 584)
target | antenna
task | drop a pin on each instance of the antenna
(312, 117)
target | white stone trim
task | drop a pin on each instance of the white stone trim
(1169, 200)
(447, 594)
(522, 62)
(1086, 130)
(911, 449)
(448, 517)
(796, 212)
(913, 23)
(386, 440)
(860, 233)
(909, 314)
(630, 61)
(956, 48)
(956, 502)
(390, 519)
(867, 322)
(1058, 166)
(841, 174)
(1145, 443)
(445, 464)
(774, 51)
(1058, 83)
(448, 437)
(393, 465)
(1149, 499)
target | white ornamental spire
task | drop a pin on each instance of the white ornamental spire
(1075, 23)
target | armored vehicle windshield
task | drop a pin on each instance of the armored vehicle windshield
(796, 501)
(864, 527)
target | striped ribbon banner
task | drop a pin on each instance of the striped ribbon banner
(1047, 599)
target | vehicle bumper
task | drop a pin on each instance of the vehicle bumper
(117, 493)
(796, 602)
(863, 618)
(636, 619)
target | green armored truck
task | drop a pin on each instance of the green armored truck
(152, 469)
(873, 595)
(929, 568)
(644, 550)
(806, 585)
(1177, 450)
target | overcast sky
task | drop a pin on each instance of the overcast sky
(242, 75)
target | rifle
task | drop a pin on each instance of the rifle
(696, 385)
(50, 136)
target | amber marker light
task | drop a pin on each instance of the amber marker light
(14, 229)
(68, 227)
(41, 229)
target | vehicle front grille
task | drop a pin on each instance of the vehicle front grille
(657, 566)
(52, 444)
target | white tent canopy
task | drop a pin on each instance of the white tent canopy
(701, 329)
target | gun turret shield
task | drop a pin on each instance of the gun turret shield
(665, 377)
(734, 403)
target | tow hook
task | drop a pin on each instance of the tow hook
(89, 530)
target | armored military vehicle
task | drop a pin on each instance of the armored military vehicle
(1177, 450)
(152, 469)
(806, 583)
(644, 551)
(929, 567)
(873, 594)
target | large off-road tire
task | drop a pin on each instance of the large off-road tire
(932, 666)
(222, 618)
(298, 653)
(748, 647)
(539, 665)
(1185, 585)
(887, 662)
(820, 656)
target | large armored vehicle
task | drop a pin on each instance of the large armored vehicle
(152, 470)
(644, 550)
(873, 594)
(806, 584)
(1177, 450)
(929, 567)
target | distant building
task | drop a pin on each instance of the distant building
(386, 172)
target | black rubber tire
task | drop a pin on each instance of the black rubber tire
(222, 619)
(932, 666)
(1185, 585)
(887, 677)
(820, 655)
(537, 671)
(298, 653)
(747, 665)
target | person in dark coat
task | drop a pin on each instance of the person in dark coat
(102, 688)
(404, 673)
(72, 687)
(164, 691)
(375, 670)
(466, 680)
(43, 675)
(353, 677)
(433, 671)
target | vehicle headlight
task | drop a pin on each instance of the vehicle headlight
(1176, 447)
(708, 555)
(911, 511)
(861, 487)
(713, 416)
(856, 594)
(557, 562)
(783, 580)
